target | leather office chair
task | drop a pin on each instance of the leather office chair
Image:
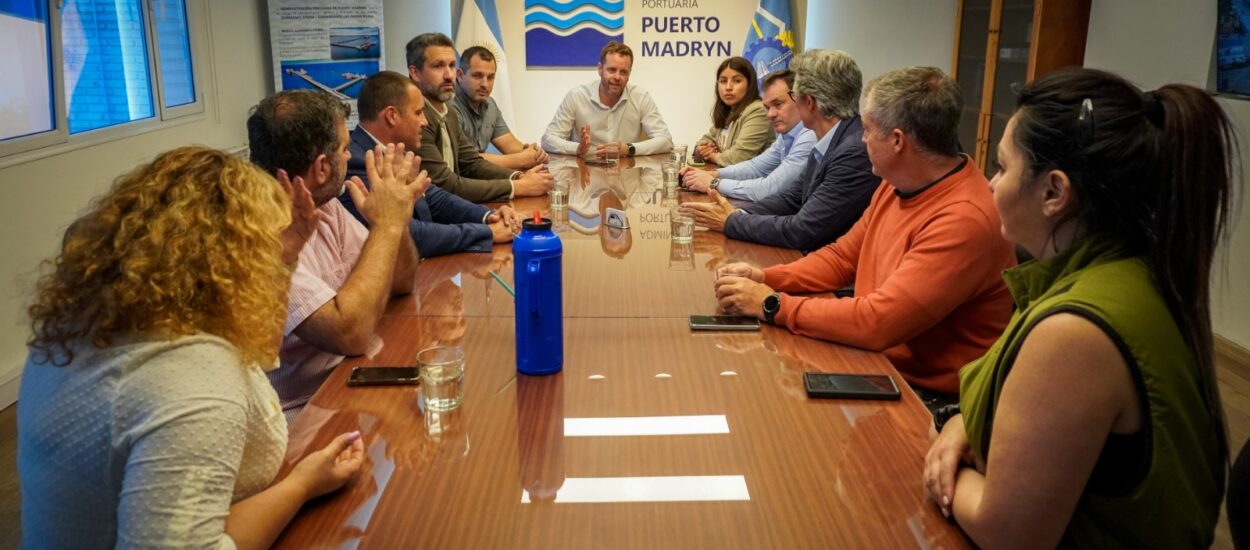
(1239, 499)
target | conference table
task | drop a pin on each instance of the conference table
(652, 435)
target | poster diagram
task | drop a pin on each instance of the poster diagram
(355, 43)
(327, 45)
(339, 79)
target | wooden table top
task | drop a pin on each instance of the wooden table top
(652, 436)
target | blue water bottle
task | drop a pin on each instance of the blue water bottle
(539, 298)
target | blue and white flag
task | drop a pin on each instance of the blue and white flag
(770, 40)
(479, 26)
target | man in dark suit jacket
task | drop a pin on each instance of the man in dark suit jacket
(449, 156)
(392, 111)
(836, 185)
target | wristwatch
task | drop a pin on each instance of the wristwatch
(772, 304)
(631, 149)
(715, 183)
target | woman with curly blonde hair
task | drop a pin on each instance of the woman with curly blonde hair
(145, 418)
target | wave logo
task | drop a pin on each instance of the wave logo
(571, 33)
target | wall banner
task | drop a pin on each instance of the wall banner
(327, 45)
(571, 33)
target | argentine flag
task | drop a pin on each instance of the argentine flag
(770, 40)
(479, 26)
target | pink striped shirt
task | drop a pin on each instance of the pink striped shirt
(324, 264)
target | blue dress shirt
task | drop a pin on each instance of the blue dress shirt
(771, 170)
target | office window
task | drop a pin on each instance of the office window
(83, 67)
(105, 63)
(26, 101)
(173, 43)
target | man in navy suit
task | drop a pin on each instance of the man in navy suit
(391, 110)
(836, 185)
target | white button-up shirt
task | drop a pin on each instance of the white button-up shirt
(633, 117)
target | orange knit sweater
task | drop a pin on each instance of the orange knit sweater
(927, 270)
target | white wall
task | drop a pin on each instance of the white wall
(1155, 42)
(406, 19)
(683, 88)
(883, 35)
(43, 196)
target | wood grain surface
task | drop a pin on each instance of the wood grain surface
(509, 468)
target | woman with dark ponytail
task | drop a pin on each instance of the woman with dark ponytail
(1095, 420)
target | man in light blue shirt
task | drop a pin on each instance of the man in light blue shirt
(780, 164)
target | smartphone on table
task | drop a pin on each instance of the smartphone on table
(850, 386)
(384, 376)
(723, 322)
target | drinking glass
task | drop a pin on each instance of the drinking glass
(671, 180)
(682, 227)
(442, 377)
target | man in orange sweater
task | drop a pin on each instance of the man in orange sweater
(926, 258)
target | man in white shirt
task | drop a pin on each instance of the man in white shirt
(780, 164)
(608, 112)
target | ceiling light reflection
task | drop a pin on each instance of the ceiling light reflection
(646, 425)
(649, 489)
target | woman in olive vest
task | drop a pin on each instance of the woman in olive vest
(1095, 420)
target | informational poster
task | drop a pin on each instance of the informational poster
(327, 45)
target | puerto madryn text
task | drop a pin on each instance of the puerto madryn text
(663, 23)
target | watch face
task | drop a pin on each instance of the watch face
(772, 303)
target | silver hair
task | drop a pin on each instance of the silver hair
(923, 102)
(830, 76)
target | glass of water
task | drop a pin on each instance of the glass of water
(612, 153)
(670, 175)
(559, 197)
(678, 155)
(682, 226)
(442, 377)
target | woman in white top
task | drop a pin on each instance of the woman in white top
(145, 419)
(740, 129)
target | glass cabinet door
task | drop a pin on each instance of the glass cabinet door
(973, 34)
(1014, 41)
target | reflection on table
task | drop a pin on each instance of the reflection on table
(651, 436)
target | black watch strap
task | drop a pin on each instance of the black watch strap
(632, 151)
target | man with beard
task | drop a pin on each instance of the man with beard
(480, 117)
(447, 153)
(345, 274)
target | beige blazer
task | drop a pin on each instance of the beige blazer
(749, 136)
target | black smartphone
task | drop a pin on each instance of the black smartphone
(384, 376)
(850, 386)
(723, 322)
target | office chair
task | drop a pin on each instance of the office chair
(1239, 499)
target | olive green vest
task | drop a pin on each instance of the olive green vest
(1172, 496)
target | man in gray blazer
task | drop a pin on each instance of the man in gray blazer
(452, 160)
(836, 184)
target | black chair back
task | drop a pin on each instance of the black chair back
(1239, 499)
